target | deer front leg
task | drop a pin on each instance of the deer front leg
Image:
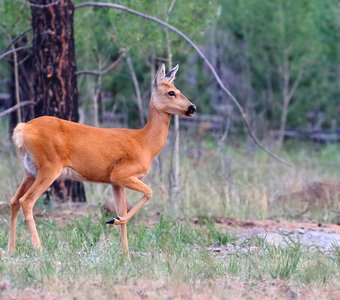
(121, 209)
(135, 184)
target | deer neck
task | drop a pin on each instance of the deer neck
(156, 130)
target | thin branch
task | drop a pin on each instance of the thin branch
(104, 71)
(172, 4)
(18, 37)
(13, 50)
(201, 54)
(15, 107)
(175, 157)
(295, 85)
(42, 5)
(136, 86)
(226, 131)
(16, 80)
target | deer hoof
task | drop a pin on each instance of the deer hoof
(115, 221)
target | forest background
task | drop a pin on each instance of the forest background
(279, 58)
(225, 218)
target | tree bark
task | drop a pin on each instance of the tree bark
(55, 82)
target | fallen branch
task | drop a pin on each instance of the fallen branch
(104, 71)
(323, 136)
(201, 54)
(15, 107)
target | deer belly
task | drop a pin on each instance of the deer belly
(69, 173)
(142, 175)
(30, 165)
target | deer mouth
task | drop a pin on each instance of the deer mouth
(189, 114)
(191, 111)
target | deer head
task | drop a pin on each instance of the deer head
(167, 98)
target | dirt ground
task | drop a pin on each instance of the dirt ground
(225, 288)
(316, 235)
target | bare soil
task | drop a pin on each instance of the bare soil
(280, 233)
(226, 288)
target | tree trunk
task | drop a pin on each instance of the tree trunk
(55, 82)
(139, 100)
(21, 84)
(175, 185)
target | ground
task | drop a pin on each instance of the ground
(225, 288)
(315, 236)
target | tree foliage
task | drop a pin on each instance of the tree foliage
(268, 51)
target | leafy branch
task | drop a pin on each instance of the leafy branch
(201, 54)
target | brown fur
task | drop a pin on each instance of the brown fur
(118, 156)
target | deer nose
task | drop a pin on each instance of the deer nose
(191, 109)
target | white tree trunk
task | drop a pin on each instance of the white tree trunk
(175, 158)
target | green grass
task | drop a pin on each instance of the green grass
(170, 250)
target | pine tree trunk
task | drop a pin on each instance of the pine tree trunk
(55, 83)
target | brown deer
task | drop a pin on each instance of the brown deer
(54, 148)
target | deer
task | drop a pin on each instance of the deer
(52, 148)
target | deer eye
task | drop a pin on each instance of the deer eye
(171, 93)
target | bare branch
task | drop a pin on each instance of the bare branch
(172, 4)
(13, 50)
(136, 86)
(42, 5)
(18, 37)
(16, 80)
(104, 71)
(15, 107)
(295, 84)
(201, 54)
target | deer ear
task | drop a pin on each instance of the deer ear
(160, 75)
(171, 75)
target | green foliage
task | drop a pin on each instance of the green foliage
(249, 38)
(144, 39)
(258, 35)
(14, 20)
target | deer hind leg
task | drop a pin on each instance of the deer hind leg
(135, 184)
(15, 206)
(121, 209)
(43, 180)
